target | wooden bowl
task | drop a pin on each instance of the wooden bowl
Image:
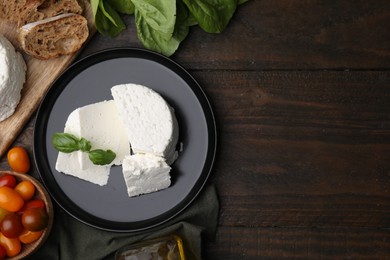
(40, 193)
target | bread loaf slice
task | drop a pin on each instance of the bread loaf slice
(10, 10)
(54, 36)
(35, 10)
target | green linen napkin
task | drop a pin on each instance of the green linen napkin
(72, 239)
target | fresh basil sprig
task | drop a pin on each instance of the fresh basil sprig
(67, 143)
(101, 157)
(163, 25)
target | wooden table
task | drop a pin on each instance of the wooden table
(301, 94)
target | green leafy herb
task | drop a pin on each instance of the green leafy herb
(122, 6)
(107, 19)
(160, 15)
(212, 15)
(156, 40)
(163, 25)
(67, 143)
(101, 157)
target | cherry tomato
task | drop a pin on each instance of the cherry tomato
(3, 213)
(28, 236)
(35, 203)
(12, 246)
(35, 219)
(18, 159)
(10, 200)
(8, 180)
(3, 253)
(11, 226)
(26, 189)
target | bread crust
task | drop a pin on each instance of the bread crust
(53, 37)
(35, 10)
(63, 29)
(10, 10)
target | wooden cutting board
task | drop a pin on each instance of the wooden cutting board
(39, 77)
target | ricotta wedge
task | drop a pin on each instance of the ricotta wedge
(145, 173)
(69, 163)
(100, 124)
(12, 77)
(150, 123)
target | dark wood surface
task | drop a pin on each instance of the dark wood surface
(301, 94)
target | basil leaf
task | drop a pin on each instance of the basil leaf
(94, 5)
(101, 157)
(156, 40)
(84, 145)
(102, 23)
(107, 20)
(110, 13)
(184, 17)
(212, 15)
(122, 6)
(65, 142)
(159, 15)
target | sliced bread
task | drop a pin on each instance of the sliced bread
(10, 10)
(54, 36)
(35, 10)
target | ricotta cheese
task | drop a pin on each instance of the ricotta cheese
(100, 124)
(150, 122)
(138, 117)
(145, 173)
(12, 78)
(69, 163)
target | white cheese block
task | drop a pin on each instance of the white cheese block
(101, 124)
(145, 173)
(12, 78)
(150, 122)
(69, 163)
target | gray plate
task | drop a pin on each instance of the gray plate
(88, 81)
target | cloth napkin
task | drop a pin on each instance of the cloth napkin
(72, 239)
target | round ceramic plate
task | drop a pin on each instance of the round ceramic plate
(90, 80)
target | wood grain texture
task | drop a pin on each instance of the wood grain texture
(40, 75)
(236, 243)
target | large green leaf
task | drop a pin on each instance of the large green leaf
(107, 20)
(94, 6)
(159, 15)
(122, 6)
(156, 40)
(212, 15)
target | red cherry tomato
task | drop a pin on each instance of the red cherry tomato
(10, 200)
(18, 159)
(8, 180)
(35, 219)
(35, 203)
(26, 189)
(12, 246)
(11, 226)
(28, 236)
